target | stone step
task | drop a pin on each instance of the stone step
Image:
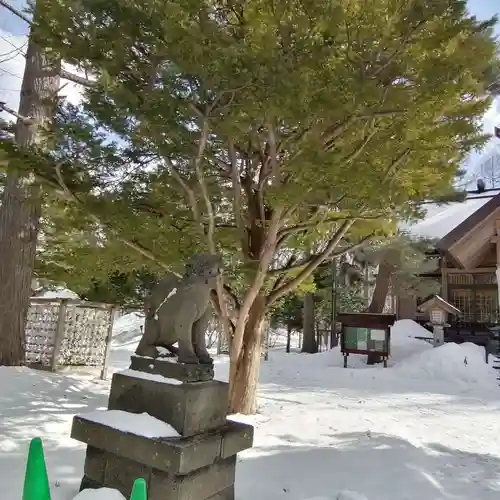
(214, 482)
(190, 408)
(170, 368)
(177, 456)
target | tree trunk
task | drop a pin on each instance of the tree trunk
(288, 337)
(246, 379)
(377, 304)
(382, 284)
(21, 206)
(309, 343)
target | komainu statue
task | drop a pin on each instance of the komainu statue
(178, 310)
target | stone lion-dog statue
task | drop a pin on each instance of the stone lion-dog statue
(178, 311)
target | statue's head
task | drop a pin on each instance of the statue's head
(205, 266)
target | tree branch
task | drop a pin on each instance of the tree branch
(273, 152)
(203, 186)
(359, 149)
(210, 233)
(297, 228)
(311, 266)
(394, 164)
(189, 193)
(70, 196)
(236, 186)
(24, 119)
(214, 298)
(76, 78)
(303, 263)
(232, 296)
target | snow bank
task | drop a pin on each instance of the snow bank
(403, 341)
(407, 328)
(99, 494)
(127, 328)
(461, 366)
(456, 363)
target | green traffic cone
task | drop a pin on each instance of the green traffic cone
(36, 480)
(138, 490)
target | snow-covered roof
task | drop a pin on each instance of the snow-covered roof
(440, 219)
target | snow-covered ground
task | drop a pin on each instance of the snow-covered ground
(427, 427)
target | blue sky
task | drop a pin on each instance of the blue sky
(484, 8)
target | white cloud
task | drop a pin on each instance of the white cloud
(12, 64)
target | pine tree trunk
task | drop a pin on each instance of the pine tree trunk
(288, 337)
(309, 343)
(382, 285)
(246, 380)
(21, 206)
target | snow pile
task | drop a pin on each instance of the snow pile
(407, 328)
(127, 328)
(100, 494)
(462, 364)
(455, 363)
(403, 341)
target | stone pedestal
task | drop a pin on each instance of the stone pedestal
(197, 464)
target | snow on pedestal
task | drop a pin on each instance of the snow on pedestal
(100, 494)
(139, 424)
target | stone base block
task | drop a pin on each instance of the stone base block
(199, 485)
(214, 482)
(178, 456)
(89, 484)
(169, 367)
(190, 408)
(120, 474)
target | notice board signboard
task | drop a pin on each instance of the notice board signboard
(365, 333)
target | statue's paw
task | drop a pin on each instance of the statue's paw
(163, 352)
(189, 359)
(149, 352)
(206, 360)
